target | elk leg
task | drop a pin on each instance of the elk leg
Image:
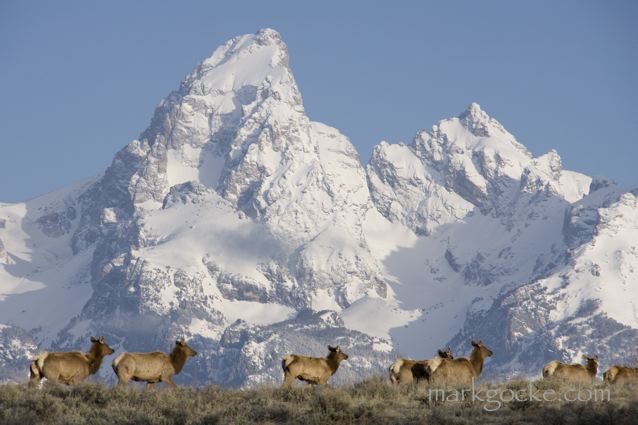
(289, 379)
(36, 376)
(35, 380)
(149, 386)
(121, 381)
(169, 381)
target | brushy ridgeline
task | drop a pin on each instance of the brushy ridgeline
(372, 401)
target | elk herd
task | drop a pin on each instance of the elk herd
(441, 370)
(74, 367)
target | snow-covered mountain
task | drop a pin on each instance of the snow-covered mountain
(535, 260)
(237, 222)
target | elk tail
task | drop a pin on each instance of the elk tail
(35, 370)
(549, 369)
(394, 369)
(285, 362)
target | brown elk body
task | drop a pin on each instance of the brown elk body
(152, 367)
(69, 367)
(461, 371)
(549, 368)
(572, 372)
(313, 370)
(404, 371)
(620, 375)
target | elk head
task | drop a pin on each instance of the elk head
(183, 346)
(337, 353)
(485, 352)
(100, 347)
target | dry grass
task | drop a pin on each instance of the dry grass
(373, 401)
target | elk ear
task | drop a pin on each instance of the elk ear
(596, 357)
(101, 339)
(331, 348)
(179, 342)
(93, 339)
(475, 343)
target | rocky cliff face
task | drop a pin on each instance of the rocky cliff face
(237, 222)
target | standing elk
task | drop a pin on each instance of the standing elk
(620, 375)
(463, 370)
(313, 370)
(404, 371)
(572, 372)
(152, 367)
(69, 367)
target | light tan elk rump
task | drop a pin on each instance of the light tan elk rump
(405, 371)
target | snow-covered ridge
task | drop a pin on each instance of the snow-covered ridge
(461, 164)
(237, 222)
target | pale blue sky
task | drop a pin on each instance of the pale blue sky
(79, 80)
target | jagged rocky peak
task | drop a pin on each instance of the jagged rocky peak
(462, 163)
(234, 141)
(244, 65)
(477, 121)
(237, 125)
(219, 110)
(473, 136)
(235, 120)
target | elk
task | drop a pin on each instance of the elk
(621, 375)
(572, 372)
(313, 370)
(152, 367)
(549, 368)
(69, 367)
(461, 371)
(404, 371)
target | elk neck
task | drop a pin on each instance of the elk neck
(476, 359)
(95, 359)
(178, 359)
(333, 362)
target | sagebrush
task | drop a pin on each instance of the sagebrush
(374, 401)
